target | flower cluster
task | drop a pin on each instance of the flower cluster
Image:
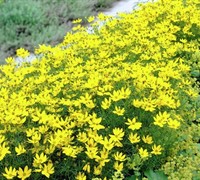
(100, 105)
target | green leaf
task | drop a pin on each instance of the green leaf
(195, 73)
(155, 175)
(133, 177)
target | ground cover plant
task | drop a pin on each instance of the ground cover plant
(29, 23)
(121, 102)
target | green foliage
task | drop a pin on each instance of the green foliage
(104, 3)
(29, 23)
(155, 175)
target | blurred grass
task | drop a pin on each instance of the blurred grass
(30, 23)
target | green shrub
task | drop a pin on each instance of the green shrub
(26, 24)
(29, 23)
(104, 3)
(113, 104)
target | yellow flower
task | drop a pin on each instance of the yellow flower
(133, 125)
(21, 52)
(4, 150)
(97, 170)
(90, 19)
(35, 138)
(125, 92)
(10, 173)
(143, 153)
(20, 150)
(106, 103)
(118, 134)
(95, 123)
(87, 167)
(76, 21)
(116, 96)
(92, 152)
(134, 138)
(137, 103)
(80, 176)
(70, 151)
(39, 159)
(119, 111)
(118, 166)
(48, 169)
(174, 124)
(103, 158)
(119, 156)
(161, 119)
(2, 138)
(107, 143)
(23, 174)
(156, 149)
(147, 139)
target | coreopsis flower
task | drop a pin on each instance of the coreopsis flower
(118, 166)
(21, 52)
(20, 150)
(10, 173)
(117, 134)
(106, 103)
(24, 174)
(103, 158)
(147, 139)
(161, 119)
(76, 21)
(133, 125)
(48, 169)
(119, 111)
(156, 149)
(2, 138)
(107, 143)
(134, 138)
(116, 96)
(97, 170)
(90, 19)
(87, 167)
(39, 159)
(95, 123)
(143, 153)
(119, 156)
(125, 93)
(174, 124)
(4, 150)
(81, 176)
(70, 151)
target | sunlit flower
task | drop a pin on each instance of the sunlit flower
(147, 139)
(80, 176)
(118, 166)
(134, 138)
(143, 153)
(156, 149)
(119, 111)
(10, 173)
(48, 169)
(20, 149)
(133, 125)
(24, 174)
(21, 52)
(119, 156)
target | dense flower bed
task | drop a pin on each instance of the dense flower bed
(112, 104)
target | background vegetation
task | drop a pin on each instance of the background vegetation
(29, 23)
